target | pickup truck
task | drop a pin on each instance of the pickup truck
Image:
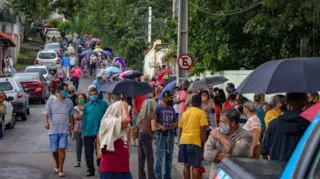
(304, 162)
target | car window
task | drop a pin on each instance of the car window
(57, 33)
(26, 78)
(47, 55)
(42, 78)
(6, 86)
(40, 70)
(51, 46)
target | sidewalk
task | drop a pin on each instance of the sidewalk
(179, 166)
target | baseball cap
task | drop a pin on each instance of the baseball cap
(167, 94)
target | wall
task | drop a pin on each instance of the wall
(148, 66)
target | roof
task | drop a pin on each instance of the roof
(6, 38)
(26, 73)
(36, 66)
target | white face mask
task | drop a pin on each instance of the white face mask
(224, 128)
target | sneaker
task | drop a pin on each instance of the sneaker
(62, 175)
(77, 164)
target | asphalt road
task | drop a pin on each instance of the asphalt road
(25, 154)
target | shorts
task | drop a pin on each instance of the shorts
(114, 175)
(190, 154)
(58, 141)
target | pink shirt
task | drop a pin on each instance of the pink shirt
(76, 72)
(182, 95)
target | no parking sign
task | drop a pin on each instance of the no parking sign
(185, 61)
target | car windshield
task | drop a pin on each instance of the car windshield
(47, 55)
(5, 86)
(40, 70)
(51, 46)
(53, 33)
(25, 77)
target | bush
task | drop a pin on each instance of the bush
(53, 22)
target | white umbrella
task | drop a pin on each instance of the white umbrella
(98, 50)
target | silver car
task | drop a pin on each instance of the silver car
(43, 70)
(48, 58)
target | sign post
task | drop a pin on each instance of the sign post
(183, 42)
(185, 62)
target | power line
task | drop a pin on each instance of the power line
(230, 13)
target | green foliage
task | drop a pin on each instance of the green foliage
(53, 22)
(63, 26)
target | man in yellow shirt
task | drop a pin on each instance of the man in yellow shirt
(192, 126)
(278, 107)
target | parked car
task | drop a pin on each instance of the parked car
(47, 29)
(8, 120)
(20, 101)
(43, 70)
(54, 46)
(48, 58)
(304, 162)
(34, 85)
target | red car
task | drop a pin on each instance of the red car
(34, 85)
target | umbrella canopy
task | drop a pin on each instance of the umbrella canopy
(171, 79)
(98, 50)
(129, 88)
(86, 53)
(311, 112)
(123, 74)
(300, 75)
(131, 74)
(108, 53)
(112, 69)
(120, 61)
(207, 82)
(169, 87)
(96, 40)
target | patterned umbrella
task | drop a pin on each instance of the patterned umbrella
(207, 82)
(112, 69)
(108, 53)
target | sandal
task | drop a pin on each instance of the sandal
(62, 175)
(55, 170)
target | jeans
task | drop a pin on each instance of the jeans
(75, 82)
(164, 147)
(145, 153)
(79, 145)
(89, 145)
(66, 70)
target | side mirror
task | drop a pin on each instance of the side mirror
(10, 98)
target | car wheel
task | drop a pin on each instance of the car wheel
(24, 115)
(28, 111)
(1, 126)
(12, 123)
(43, 100)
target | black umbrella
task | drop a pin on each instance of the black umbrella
(299, 75)
(129, 88)
(133, 74)
(207, 82)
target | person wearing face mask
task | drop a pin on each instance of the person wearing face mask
(165, 138)
(181, 99)
(313, 98)
(209, 108)
(231, 101)
(92, 114)
(253, 125)
(278, 108)
(97, 83)
(81, 101)
(227, 140)
(60, 109)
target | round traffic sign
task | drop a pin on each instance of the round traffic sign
(185, 61)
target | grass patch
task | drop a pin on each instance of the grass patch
(23, 61)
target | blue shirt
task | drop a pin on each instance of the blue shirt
(166, 116)
(92, 115)
(65, 61)
(96, 83)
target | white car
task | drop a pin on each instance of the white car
(48, 58)
(8, 120)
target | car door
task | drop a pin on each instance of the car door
(9, 109)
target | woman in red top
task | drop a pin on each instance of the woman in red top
(231, 102)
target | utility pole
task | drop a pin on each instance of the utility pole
(149, 25)
(182, 38)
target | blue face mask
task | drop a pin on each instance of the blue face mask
(94, 98)
(224, 128)
(64, 93)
